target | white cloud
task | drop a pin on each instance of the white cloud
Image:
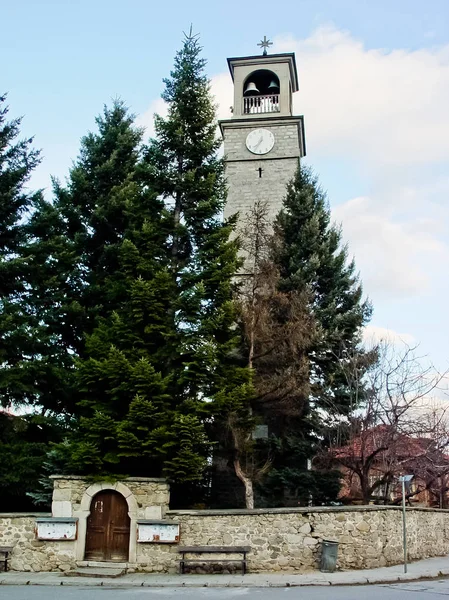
(146, 119)
(222, 90)
(373, 335)
(391, 106)
(385, 113)
(394, 255)
(363, 103)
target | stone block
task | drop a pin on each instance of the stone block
(309, 541)
(153, 512)
(346, 539)
(61, 508)
(363, 527)
(62, 494)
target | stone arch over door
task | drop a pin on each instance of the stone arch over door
(84, 512)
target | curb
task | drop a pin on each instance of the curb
(122, 583)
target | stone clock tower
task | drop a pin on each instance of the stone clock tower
(263, 141)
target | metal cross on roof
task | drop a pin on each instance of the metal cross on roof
(265, 44)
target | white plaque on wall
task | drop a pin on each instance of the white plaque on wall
(158, 532)
(62, 528)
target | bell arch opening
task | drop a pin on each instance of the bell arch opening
(262, 82)
(261, 92)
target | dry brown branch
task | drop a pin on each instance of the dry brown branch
(277, 329)
(390, 432)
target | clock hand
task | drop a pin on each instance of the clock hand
(258, 143)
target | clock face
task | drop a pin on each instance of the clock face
(260, 141)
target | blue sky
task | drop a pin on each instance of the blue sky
(374, 79)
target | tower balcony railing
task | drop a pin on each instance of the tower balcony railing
(261, 104)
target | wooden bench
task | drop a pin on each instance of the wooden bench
(5, 551)
(243, 550)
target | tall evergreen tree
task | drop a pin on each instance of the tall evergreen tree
(72, 254)
(311, 259)
(18, 159)
(78, 235)
(27, 367)
(149, 296)
(184, 168)
(24, 443)
(100, 292)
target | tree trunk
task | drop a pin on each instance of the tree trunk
(176, 222)
(249, 492)
(254, 286)
(177, 218)
(365, 489)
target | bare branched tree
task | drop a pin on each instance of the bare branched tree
(278, 326)
(277, 329)
(431, 467)
(386, 433)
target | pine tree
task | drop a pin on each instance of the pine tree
(311, 260)
(18, 159)
(184, 168)
(130, 424)
(140, 266)
(73, 252)
(24, 443)
(101, 245)
(78, 235)
(311, 257)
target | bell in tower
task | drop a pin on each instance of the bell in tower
(261, 92)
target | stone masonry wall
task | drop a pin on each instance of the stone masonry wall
(280, 539)
(289, 539)
(29, 553)
(286, 144)
(152, 495)
(72, 496)
(246, 187)
(242, 175)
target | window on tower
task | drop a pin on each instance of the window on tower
(261, 92)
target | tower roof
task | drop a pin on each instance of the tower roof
(260, 61)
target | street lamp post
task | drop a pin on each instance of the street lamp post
(404, 479)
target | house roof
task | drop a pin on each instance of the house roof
(384, 438)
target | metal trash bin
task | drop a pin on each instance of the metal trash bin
(329, 553)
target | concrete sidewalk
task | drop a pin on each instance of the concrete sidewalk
(423, 569)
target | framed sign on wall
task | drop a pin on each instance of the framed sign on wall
(56, 528)
(157, 532)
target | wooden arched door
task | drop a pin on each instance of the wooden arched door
(108, 527)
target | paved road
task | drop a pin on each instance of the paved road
(427, 590)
